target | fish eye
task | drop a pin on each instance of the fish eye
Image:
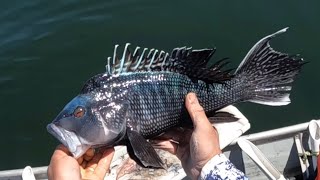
(78, 112)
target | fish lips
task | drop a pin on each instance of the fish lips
(68, 139)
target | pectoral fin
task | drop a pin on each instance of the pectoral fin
(141, 151)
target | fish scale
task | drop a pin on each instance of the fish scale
(153, 117)
(155, 103)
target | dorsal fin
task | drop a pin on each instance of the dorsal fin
(152, 60)
(192, 63)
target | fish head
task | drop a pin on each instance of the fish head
(83, 123)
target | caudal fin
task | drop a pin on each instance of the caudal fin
(268, 74)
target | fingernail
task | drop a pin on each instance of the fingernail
(192, 98)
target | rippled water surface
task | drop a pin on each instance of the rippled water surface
(48, 49)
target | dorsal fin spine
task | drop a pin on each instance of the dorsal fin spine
(123, 57)
(135, 51)
(161, 52)
(115, 54)
(108, 69)
(183, 60)
(164, 60)
(114, 58)
(152, 59)
(141, 57)
(150, 52)
(161, 60)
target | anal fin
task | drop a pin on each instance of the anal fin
(142, 152)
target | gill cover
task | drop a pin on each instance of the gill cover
(84, 123)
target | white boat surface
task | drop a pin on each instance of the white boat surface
(282, 153)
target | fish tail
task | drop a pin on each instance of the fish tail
(266, 75)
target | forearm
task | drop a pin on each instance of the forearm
(220, 167)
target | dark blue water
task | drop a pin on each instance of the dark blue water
(48, 49)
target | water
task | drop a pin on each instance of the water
(49, 49)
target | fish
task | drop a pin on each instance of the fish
(141, 95)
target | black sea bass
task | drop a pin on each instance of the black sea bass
(141, 95)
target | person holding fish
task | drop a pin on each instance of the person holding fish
(141, 96)
(198, 150)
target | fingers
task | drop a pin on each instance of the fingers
(63, 165)
(89, 154)
(84, 165)
(63, 148)
(204, 142)
(83, 160)
(166, 145)
(61, 151)
(196, 112)
(103, 165)
(203, 129)
(175, 134)
(98, 164)
(93, 162)
(80, 160)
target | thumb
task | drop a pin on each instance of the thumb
(196, 112)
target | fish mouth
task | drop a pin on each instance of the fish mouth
(68, 139)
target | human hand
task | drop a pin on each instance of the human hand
(89, 166)
(194, 147)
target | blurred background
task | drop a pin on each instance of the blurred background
(48, 49)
